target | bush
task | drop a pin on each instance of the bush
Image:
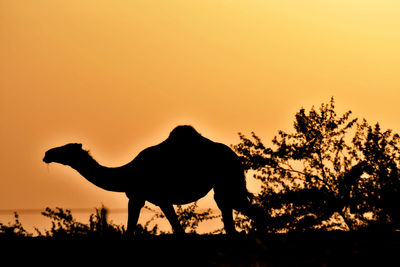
(329, 173)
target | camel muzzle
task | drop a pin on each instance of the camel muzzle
(46, 159)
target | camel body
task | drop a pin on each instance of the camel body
(180, 170)
(180, 173)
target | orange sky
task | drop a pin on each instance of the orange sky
(119, 75)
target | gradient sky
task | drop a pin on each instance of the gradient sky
(118, 75)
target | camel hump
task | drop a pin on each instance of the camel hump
(183, 133)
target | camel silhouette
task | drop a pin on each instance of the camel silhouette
(180, 170)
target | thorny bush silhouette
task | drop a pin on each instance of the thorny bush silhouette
(330, 173)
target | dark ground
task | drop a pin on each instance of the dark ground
(310, 249)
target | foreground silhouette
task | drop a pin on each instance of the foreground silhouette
(180, 170)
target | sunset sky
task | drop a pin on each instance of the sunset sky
(119, 75)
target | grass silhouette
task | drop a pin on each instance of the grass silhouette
(100, 241)
(66, 227)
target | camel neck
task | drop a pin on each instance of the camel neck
(111, 179)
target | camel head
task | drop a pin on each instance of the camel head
(65, 155)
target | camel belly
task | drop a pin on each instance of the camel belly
(181, 188)
(179, 198)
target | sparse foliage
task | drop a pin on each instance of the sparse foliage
(64, 225)
(380, 192)
(190, 219)
(13, 230)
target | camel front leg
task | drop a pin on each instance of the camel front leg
(169, 212)
(134, 207)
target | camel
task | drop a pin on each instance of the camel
(180, 170)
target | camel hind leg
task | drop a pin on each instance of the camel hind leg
(229, 193)
(227, 213)
(240, 202)
(253, 212)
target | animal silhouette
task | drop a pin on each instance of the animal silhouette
(180, 170)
